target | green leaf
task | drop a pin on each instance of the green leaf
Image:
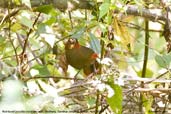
(25, 21)
(95, 43)
(15, 27)
(115, 102)
(148, 104)
(149, 73)
(91, 101)
(78, 34)
(47, 9)
(163, 61)
(167, 58)
(42, 70)
(51, 20)
(104, 8)
(53, 70)
(2, 44)
(43, 28)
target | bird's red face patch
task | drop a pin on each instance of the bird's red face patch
(94, 56)
(76, 45)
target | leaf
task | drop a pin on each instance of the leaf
(2, 44)
(149, 73)
(167, 58)
(104, 8)
(163, 61)
(79, 33)
(27, 3)
(47, 33)
(148, 104)
(122, 33)
(91, 101)
(15, 27)
(115, 102)
(95, 43)
(47, 9)
(42, 70)
(26, 21)
(51, 20)
(53, 70)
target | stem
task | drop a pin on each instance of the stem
(97, 102)
(70, 18)
(9, 34)
(146, 49)
(28, 34)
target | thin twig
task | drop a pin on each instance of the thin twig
(9, 35)
(56, 77)
(70, 18)
(33, 53)
(103, 109)
(97, 102)
(28, 34)
(155, 90)
(150, 81)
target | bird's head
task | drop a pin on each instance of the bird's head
(72, 43)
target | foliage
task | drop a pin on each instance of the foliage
(35, 76)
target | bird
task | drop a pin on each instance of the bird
(81, 57)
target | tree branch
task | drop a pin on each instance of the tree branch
(64, 5)
(146, 13)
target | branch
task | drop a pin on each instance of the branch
(146, 13)
(64, 5)
(156, 90)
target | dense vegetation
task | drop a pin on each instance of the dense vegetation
(130, 37)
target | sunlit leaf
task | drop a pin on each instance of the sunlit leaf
(115, 102)
(51, 20)
(26, 2)
(18, 2)
(148, 104)
(2, 44)
(122, 34)
(47, 33)
(26, 21)
(43, 70)
(104, 8)
(15, 27)
(53, 70)
(149, 73)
